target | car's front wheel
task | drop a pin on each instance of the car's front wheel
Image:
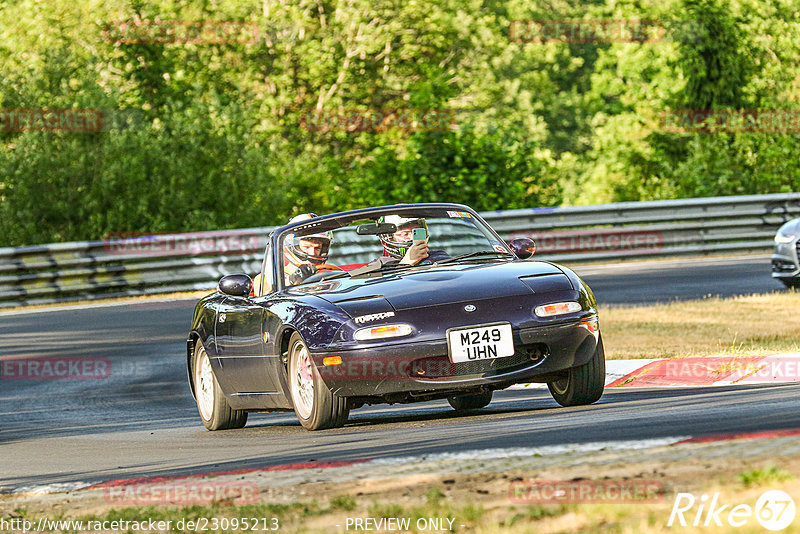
(470, 402)
(584, 384)
(214, 409)
(316, 406)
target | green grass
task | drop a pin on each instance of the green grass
(533, 513)
(343, 502)
(768, 475)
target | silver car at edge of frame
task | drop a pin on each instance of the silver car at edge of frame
(786, 254)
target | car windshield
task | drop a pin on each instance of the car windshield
(378, 241)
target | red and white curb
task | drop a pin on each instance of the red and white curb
(699, 371)
(714, 371)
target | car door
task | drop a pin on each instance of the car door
(242, 347)
(248, 357)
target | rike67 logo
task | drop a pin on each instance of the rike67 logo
(774, 510)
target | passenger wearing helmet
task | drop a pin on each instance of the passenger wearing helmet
(399, 247)
(302, 254)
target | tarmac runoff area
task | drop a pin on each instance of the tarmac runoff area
(669, 465)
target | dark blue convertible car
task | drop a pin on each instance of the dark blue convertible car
(344, 313)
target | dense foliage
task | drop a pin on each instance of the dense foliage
(207, 135)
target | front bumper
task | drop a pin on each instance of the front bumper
(424, 367)
(785, 260)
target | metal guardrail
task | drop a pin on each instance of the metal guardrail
(662, 228)
(126, 265)
(140, 265)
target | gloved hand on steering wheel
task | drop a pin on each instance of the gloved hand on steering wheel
(303, 271)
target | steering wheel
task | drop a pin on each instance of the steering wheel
(328, 267)
(323, 271)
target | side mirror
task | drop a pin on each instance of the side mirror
(236, 285)
(523, 247)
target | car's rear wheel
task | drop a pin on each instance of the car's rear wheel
(584, 384)
(471, 402)
(315, 405)
(791, 282)
(214, 409)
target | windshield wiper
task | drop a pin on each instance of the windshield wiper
(398, 266)
(375, 267)
(475, 254)
(335, 275)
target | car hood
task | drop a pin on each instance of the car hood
(790, 228)
(428, 286)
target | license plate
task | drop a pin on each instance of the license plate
(480, 343)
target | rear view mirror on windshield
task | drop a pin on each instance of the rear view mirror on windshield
(376, 228)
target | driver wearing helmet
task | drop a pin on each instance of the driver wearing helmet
(399, 247)
(302, 254)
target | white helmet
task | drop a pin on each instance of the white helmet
(297, 256)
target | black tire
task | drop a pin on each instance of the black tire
(314, 404)
(213, 407)
(791, 282)
(584, 384)
(471, 402)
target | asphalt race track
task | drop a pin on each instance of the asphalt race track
(140, 418)
(644, 282)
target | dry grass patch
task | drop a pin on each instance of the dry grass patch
(752, 324)
(480, 503)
